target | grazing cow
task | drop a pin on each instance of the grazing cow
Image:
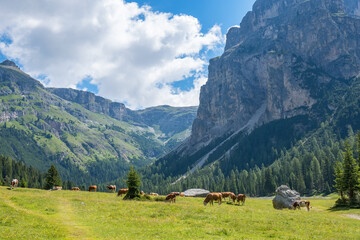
(241, 198)
(75, 189)
(112, 188)
(93, 188)
(122, 191)
(142, 193)
(228, 195)
(233, 197)
(14, 183)
(171, 197)
(211, 197)
(298, 204)
(55, 188)
(154, 194)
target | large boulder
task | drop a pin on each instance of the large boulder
(196, 193)
(285, 197)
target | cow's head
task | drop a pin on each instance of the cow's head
(205, 203)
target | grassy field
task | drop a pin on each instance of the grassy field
(39, 214)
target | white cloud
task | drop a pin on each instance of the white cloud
(132, 53)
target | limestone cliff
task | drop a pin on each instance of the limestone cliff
(276, 63)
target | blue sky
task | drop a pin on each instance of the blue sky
(120, 50)
(209, 12)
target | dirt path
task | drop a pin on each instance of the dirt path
(64, 218)
(354, 216)
(68, 219)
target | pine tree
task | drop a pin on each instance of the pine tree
(23, 181)
(358, 147)
(351, 172)
(339, 178)
(269, 185)
(133, 182)
(52, 178)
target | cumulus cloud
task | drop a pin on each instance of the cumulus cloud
(132, 53)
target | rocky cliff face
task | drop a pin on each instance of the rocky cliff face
(94, 103)
(276, 64)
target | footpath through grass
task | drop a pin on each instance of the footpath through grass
(39, 214)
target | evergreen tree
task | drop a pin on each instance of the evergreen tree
(347, 175)
(133, 182)
(351, 173)
(269, 185)
(339, 179)
(52, 178)
(358, 147)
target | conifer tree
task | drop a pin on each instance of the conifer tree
(347, 175)
(339, 178)
(269, 185)
(133, 182)
(52, 178)
(358, 147)
(351, 172)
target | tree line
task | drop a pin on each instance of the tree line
(307, 167)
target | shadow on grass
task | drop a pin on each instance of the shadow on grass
(339, 208)
(234, 204)
(343, 208)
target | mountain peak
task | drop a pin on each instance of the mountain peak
(9, 63)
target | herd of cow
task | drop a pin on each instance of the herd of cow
(210, 197)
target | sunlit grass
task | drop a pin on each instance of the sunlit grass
(39, 214)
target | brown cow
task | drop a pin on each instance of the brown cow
(182, 194)
(298, 204)
(241, 198)
(93, 188)
(112, 188)
(122, 191)
(228, 195)
(171, 197)
(154, 194)
(75, 189)
(14, 183)
(233, 197)
(211, 197)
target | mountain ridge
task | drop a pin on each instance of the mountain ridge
(84, 135)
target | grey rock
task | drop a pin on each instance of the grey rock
(281, 56)
(9, 64)
(285, 197)
(196, 193)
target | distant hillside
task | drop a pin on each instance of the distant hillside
(85, 136)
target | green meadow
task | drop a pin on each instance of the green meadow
(39, 214)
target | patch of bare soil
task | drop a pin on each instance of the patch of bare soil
(355, 216)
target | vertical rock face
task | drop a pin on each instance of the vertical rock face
(275, 63)
(94, 103)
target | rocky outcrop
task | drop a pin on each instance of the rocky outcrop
(281, 57)
(9, 64)
(285, 197)
(94, 103)
(196, 193)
